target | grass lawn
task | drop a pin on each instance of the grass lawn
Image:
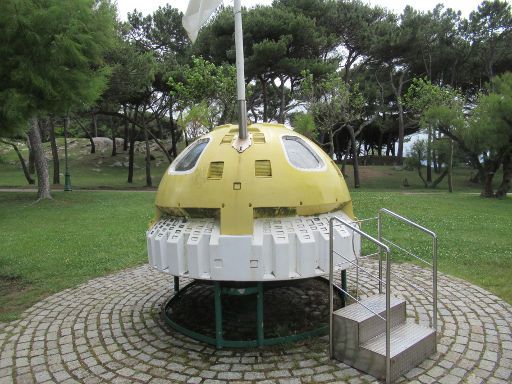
(474, 234)
(53, 245)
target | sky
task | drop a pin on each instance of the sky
(148, 6)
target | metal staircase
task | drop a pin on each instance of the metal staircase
(373, 334)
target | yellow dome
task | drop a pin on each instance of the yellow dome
(281, 173)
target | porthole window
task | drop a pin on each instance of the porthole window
(300, 154)
(188, 160)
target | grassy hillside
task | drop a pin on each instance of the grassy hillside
(103, 171)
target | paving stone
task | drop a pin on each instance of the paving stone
(229, 375)
(109, 330)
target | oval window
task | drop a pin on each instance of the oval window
(189, 159)
(300, 154)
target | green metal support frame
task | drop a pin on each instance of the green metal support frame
(219, 340)
(343, 287)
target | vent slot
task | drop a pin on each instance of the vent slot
(258, 138)
(262, 168)
(251, 129)
(215, 170)
(227, 139)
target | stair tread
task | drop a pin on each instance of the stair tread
(377, 303)
(402, 337)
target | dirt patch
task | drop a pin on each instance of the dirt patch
(12, 289)
(10, 284)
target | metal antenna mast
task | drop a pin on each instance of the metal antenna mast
(240, 71)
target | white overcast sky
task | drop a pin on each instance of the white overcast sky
(148, 6)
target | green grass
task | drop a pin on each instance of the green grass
(474, 234)
(53, 245)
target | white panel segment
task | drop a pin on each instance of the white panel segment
(198, 249)
(305, 248)
(176, 248)
(233, 259)
(279, 249)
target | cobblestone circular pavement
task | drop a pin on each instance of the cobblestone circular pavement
(110, 330)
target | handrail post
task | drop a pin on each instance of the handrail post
(379, 237)
(331, 282)
(434, 283)
(388, 315)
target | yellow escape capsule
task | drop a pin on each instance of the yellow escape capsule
(253, 210)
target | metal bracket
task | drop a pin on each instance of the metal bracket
(241, 145)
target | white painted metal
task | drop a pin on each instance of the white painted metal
(279, 249)
(240, 70)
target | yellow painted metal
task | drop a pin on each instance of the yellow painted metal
(239, 195)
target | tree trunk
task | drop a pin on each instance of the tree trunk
(331, 144)
(55, 152)
(435, 159)
(88, 134)
(264, 94)
(185, 136)
(507, 177)
(440, 178)
(283, 101)
(425, 184)
(355, 164)
(43, 182)
(126, 130)
(160, 145)
(450, 169)
(174, 150)
(429, 154)
(401, 127)
(29, 178)
(113, 129)
(31, 164)
(148, 160)
(490, 168)
(95, 125)
(344, 164)
(131, 153)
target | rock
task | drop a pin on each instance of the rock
(102, 142)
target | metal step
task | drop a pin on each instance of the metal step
(368, 324)
(355, 324)
(410, 345)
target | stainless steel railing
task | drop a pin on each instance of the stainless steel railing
(381, 247)
(432, 264)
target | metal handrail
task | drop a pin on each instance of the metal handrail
(359, 257)
(381, 246)
(406, 251)
(364, 305)
(358, 266)
(404, 280)
(434, 256)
